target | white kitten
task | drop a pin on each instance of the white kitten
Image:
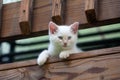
(63, 41)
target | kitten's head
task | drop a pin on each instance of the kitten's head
(63, 36)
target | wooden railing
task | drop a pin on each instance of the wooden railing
(90, 13)
(103, 64)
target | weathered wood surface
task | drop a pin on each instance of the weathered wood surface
(1, 1)
(57, 11)
(82, 55)
(74, 11)
(26, 7)
(90, 10)
(26, 73)
(96, 68)
(101, 64)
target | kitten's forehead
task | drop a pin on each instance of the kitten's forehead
(64, 29)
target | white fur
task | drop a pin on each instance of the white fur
(56, 47)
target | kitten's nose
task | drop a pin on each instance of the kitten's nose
(65, 44)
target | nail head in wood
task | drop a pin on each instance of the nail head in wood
(25, 16)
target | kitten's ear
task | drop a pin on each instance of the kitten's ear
(52, 27)
(74, 27)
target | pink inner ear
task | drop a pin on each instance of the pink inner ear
(53, 27)
(74, 27)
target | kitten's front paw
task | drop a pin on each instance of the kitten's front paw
(64, 55)
(42, 57)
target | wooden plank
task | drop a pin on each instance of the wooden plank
(17, 65)
(10, 22)
(26, 73)
(89, 54)
(1, 4)
(57, 11)
(83, 55)
(90, 10)
(97, 68)
(105, 67)
(25, 16)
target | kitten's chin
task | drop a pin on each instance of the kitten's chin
(65, 48)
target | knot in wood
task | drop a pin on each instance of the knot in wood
(23, 11)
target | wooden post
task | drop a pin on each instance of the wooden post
(25, 16)
(57, 11)
(1, 4)
(90, 11)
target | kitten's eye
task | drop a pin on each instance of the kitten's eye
(60, 37)
(69, 37)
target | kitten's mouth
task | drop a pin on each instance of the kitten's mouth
(65, 45)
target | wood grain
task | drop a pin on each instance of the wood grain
(57, 11)
(90, 10)
(88, 54)
(96, 68)
(1, 4)
(42, 15)
(26, 7)
(83, 55)
(26, 73)
(105, 67)
(10, 22)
